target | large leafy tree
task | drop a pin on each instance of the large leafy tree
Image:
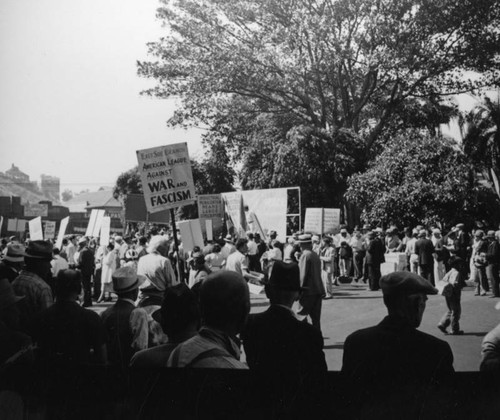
(481, 136)
(333, 64)
(420, 179)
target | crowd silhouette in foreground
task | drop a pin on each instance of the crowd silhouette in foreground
(175, 309)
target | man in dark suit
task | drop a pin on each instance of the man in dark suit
(275, 340)
(310, 279)
(86, 266)
(426, 255)
(395, 348)
(126, 325)
(374, 258)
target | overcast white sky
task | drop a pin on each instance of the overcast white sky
(69, 92)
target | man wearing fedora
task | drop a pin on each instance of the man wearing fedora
(66, 333)
(310, 278)
(126, 326)
(275, 340)
(395, 347)
(32, 282)
(12, 261)
(228, 247)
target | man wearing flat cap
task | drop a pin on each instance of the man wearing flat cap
(32, 282)
(275, 340)
(395, 347)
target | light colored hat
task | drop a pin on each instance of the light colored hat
(82, 240)
(14, 252)
(131, 254)
(422, 232)
(436, 231)
(7, 295)
(126, 279)
(229, 239)
(304, 238)
(315, 238)
(343, 230)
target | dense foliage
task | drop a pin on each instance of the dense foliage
(419, 179)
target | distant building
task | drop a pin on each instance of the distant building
(16, 175)
(50, 186)
(81, 206)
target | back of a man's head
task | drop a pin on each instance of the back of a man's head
(68, 284)
(224, 301)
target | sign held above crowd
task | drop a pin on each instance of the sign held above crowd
(320, 221)
(167, 179)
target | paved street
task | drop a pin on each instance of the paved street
(355, 307)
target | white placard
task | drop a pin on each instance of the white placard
(98, 223)
(21, 225)
(62, 231)
(35, 226)
(210, 205)
(167, 179)
(313, 222)
(105, 230)
(12, 225)
(210, 229)
(191, 234)
(90, 226)
(50, 229)
(331, 220)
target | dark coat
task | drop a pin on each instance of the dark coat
(116, 321)
(86, 263)
(394, 348)
(424, 249)
(276, 341)
(375, 252)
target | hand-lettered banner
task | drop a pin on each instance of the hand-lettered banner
(167, 179)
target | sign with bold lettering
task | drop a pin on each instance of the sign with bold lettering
(210, 206)
(320, 220)
(62, 231)
(167, 179)
(50, 229)
(35, 210)
(36, 232)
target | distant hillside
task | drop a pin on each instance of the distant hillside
(9, 188)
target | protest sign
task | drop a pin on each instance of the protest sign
(210, 206)
(135, 211)
(95, 221)
(62, 231)
(313, 222)
(12, 225)
(191, 234)
(35, 226)
(105, 230)
(167, 179)
(210, 229)
(21, 225)
(98, 223)
(320, 220)
(35, 210)
(1, 223)
(50, 230)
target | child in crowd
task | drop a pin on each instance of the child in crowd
(456, 279)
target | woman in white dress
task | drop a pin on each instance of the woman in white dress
(108, 268)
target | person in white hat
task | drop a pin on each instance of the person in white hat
(126, 326)
(437, 241)
(228, 247)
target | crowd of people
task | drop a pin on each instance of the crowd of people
(172, 308)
